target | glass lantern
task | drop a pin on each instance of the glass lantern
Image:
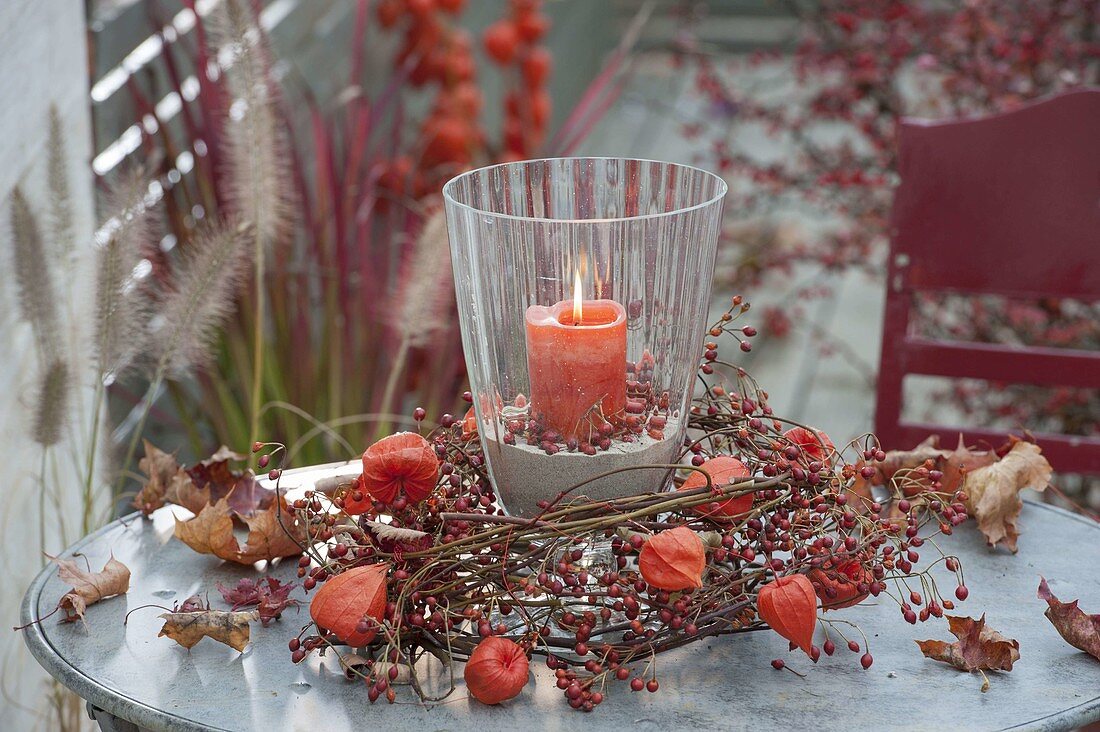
(583, 287)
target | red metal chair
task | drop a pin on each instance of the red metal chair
(1006, 205)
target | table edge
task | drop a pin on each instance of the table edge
(76, 680)
(124, 707)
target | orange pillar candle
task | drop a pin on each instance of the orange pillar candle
(576, 358)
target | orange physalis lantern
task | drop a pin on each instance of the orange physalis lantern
(404, 463)
(496, 671)
(349, 597)
(723, 471)
(673, 560)
(789, 605)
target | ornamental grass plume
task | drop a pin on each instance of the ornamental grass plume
(189, 319)
(37, 304)
(423, 300)
(255, 142)
(61, 205)
(123, 308)
(205, 290)
(51, 404)
(255, 150)
(425, 294)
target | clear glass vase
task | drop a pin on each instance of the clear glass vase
(583, 287)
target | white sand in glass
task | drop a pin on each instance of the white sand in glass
(524, 474)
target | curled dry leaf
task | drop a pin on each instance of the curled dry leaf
(228, 627)
(90, 587)
(1080, 630)
(353, 665)
(954, 464)
(994, 491)
(269, 595)
(160, 467)
(992, 486)
(211, 532)
(978, 648)
(383, 530)
(202, 484)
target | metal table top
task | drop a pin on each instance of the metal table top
(723, 683)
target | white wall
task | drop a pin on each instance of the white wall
(43, 61)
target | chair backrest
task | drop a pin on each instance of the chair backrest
(1006, 205)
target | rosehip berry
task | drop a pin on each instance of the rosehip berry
(778, 664)
(961, 592)
(866, 660)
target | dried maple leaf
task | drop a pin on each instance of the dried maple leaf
(228, 627)
(191, 605)
(160, 466)
(211, 532)
(183, 492)
(215, 476)
(1080, 630)
(960, 463)
(355, 666)
(954, 464)
(978, 648)
(271, 536)
(906, 459)
(993, 491)
(269, 595)
(90, 587)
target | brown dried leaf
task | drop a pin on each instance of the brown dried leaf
(160, 466)
(211, 532)
(183, 492)
(270, 538)
(395, 533)
(90, 587)
(978, 647)
(353, 665)
(906, 459)
(228, 627)
(993, 491)
(269, 595)
(954, 464)
(957, 465)
(1080, 630)
(858, 492)
(218, 480)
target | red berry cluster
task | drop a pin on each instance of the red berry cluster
(514, 41)
(436, 52)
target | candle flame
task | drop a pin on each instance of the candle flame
(578, 309)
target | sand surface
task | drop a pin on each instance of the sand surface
(523, 475)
